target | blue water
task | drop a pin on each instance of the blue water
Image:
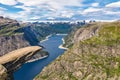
(29, 70)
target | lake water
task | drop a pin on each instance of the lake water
(29, 70)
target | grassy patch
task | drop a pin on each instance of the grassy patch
(108, 35)
(108, 64)
(9, 31)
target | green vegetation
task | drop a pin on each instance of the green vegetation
(109, 35)
(8, 27)
(108, 64)
(9, 31)
(96, 58)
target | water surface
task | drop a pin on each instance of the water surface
(29, 70)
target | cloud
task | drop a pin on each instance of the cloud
(112, 12)
(91, 10)
(47, 8)
(55, 4)
(95, 4)
(59, 9)
(8, 2)
(114, 4)
(2, 9)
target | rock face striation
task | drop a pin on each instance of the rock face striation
(94, 55)
(12, 61)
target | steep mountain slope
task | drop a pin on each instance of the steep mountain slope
(95, 55)
(9, 38)
(15, 35)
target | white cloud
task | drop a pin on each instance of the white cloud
(35, 17)
(54, 4)
(112, 12)
(49, 2)
(32, 2)
(95, 4)
(50, 18)
(66, 14)
(55, 9)
(46, 8)
(2, 9)
(91, 9)
(114, 4)
(8, 2)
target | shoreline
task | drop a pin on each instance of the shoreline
(61, 46)
(62, 34)
(37, 59)
(46, 38)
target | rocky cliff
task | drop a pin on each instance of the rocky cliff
(9, 38)
(15, 35)
(10, 43)
(95, 55)
(12, 61)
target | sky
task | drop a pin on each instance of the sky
(71, 10)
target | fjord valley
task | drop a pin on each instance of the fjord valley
(11, 38)
(93, 50)
(15, 35)
(93, 54)
(59, 39)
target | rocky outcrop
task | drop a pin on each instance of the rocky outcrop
(10, 43)
(7, 22)
(95, 55)
(11, 61)
(15, 35)
(86, 32)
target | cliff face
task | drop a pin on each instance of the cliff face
(85, 32)
(12, 61)
(10, 43)
(15, 35)
(95, 55)
(9, 38)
